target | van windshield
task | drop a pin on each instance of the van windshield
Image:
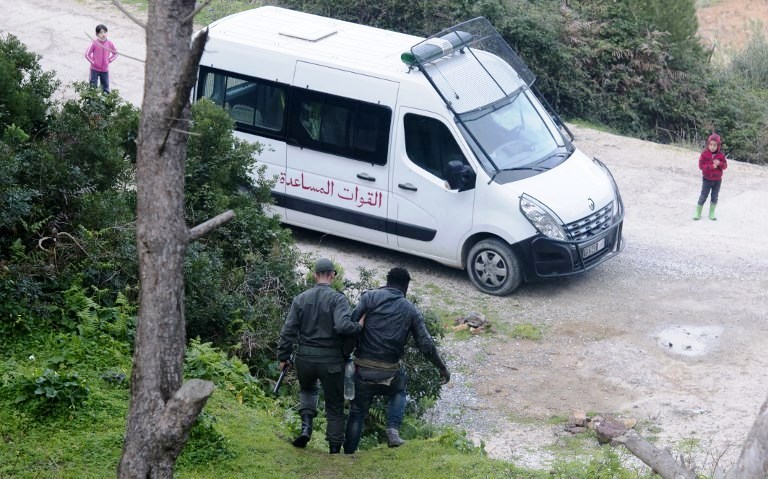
(513, 135)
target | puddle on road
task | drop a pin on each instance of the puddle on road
(689, 340)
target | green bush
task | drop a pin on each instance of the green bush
(50, 392)
(69, 185)
(240, 279)
(206, 445)
(25, 89)
(416, 18)
(203, 361)
(751, 63)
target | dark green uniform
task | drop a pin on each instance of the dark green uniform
(317, 322)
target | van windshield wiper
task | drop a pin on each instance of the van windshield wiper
(484, 110)
(519, 168)
(564, 154)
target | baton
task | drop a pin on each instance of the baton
(288, 365)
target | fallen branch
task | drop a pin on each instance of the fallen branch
(660, 461)
(752, 463)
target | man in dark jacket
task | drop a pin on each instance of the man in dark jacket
(317, 323)
(389, 319)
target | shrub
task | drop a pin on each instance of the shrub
(206, 445)
(751, 63)
(63, 180)
(25, 90)
(203, 361)
(239, 279)
(738, 111)
(416, 18)
(50, 392)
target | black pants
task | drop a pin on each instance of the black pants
(364, 393)
(103, 77)
(331, 376)
(706, 187)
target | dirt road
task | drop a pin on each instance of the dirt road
(672, 332)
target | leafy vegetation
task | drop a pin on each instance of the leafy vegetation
(68, 274)
(69, 282)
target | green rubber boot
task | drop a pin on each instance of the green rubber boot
(712, 207)
(697, 216)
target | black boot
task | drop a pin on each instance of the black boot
(334, 448)
(306, 431)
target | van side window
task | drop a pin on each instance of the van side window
(257, 106)
(430, 145)
(340, 126)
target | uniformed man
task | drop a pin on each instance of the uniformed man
(317, 324)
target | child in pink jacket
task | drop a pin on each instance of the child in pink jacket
(100, 54)
(712, 162)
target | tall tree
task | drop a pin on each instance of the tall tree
(162, 409)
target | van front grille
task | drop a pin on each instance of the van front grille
(591, 225)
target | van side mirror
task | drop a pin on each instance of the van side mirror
(460, 176)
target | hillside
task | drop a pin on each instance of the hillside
(726, 25)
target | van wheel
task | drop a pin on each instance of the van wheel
(493, 267)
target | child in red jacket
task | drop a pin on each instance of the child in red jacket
(712, 162)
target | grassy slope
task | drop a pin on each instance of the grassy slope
(87, 443)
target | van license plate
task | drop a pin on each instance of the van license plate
(593, 248)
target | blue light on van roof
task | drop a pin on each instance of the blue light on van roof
(434, 48)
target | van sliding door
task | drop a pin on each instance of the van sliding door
(337, 177)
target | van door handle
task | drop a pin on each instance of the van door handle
(407, 186)
(366, 177)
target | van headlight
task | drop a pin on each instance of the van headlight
(541, 218)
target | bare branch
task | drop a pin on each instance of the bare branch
(113, 51)
(204, 228)
(197, 10)
(185, 132)
(129, 14)
(62, 233)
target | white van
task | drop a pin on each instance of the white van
(438, 147)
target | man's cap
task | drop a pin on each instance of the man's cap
(324, 265)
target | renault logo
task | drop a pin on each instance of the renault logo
(591, 204)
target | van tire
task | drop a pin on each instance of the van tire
(493, 267)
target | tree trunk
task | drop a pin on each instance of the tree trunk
(161, 410)
(753, 461)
